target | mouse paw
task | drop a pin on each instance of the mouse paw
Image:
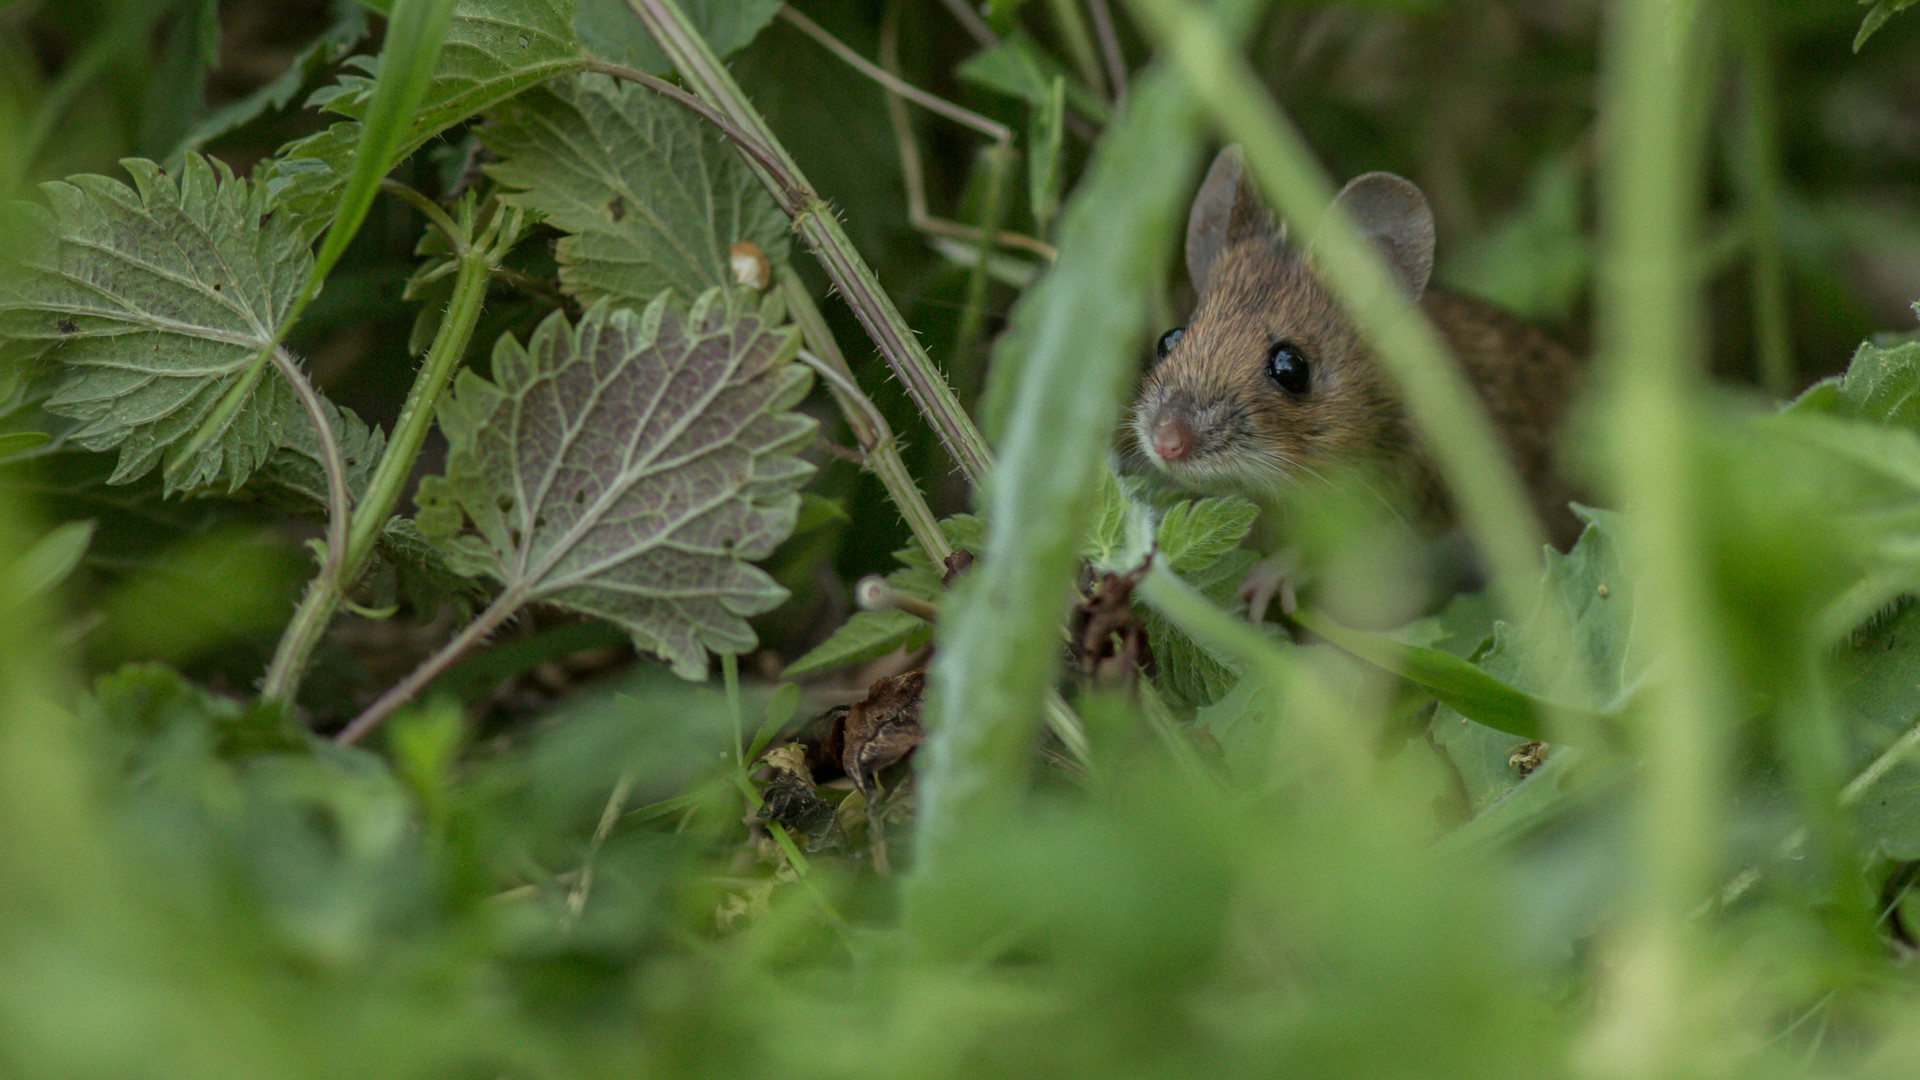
(1269, 578)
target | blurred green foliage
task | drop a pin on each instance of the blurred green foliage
(1274, 858)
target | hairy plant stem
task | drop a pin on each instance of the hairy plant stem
(400, 693)
(389, 479)
(332, 463)
(814, 220)
(880, 451)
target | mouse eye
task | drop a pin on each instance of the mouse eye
(1287, 366)
(1168, 340)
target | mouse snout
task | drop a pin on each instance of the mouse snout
(1172, 437)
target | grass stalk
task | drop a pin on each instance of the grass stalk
(1651, 366)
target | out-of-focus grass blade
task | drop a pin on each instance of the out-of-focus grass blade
(415, 31)
(1468, 690)
(19, 442)
(47, 563)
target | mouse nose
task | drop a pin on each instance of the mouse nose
(1172, 438)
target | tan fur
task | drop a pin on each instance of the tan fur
(1253, 438)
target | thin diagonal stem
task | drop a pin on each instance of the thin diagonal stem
(1110, 49)
(913, 176)
(992, 129)
(339, 503)
(821, 230)
(402, 692)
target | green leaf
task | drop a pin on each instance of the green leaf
(1882, 11)
(1020, 68)
(871, 634)
(1458, 684)
(627, 468)
(1199, 540)
(609, 31)
(333, 45)
(19, 442)
(1591, 586)
(295, 471)
(651, 195)
(1881, 383)
(1875, 689)
(155, 300)
(1046, 129)
(781, 705)
(412, 568)
(493, 50)
(1194, 534)
(52, 558)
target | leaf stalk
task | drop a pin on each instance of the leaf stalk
(477, 261)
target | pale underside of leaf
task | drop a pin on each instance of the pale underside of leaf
(651, 195)
(154, 300)
(628, 468)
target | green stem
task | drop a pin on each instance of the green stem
(730, 676)
(1648, 292)
(402, 692)
(1079, 41)
(820, 228)
(999, 636)
(879, 449)
(1757, 176)
(389, 479)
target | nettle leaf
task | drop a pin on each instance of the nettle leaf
(1200, 540)
(1875, 689)
(493, 50)
(609, 29)
(628, 468)
(1882, 383)
(1591, 586)
(295, 471)
(651, 195)
(155, 299)
(871, 634)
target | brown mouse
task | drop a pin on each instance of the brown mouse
(1270, 387)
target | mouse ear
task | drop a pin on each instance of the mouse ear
(1227, 211)
(1393, 214)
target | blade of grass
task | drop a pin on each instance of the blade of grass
(1651, 364)
(998, 635)
(1467, 689)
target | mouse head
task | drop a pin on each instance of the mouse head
(1269, 383)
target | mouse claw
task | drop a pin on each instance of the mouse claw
(1269, 578)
